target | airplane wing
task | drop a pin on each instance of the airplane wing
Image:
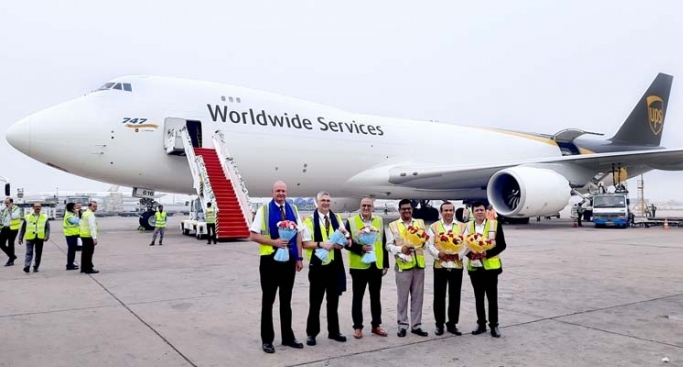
(441, 177)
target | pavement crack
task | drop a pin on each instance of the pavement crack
(186, 358)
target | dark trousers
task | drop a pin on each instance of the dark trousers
(451, 279)
(485, 282)
(323, 280)
(71, 243)
(86, 254)
(32, 246)
(274, 275)
(361, 278)
(7, 237)
(211, 232)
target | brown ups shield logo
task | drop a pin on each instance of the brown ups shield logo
(655, 113)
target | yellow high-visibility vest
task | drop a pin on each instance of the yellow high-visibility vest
(491, 263)
(84, 226)
(398, 228)
(309, 252)
(160, 220)
(355, 224)
(438, 227)
(265, 228)
(35, 227)
(70, 229)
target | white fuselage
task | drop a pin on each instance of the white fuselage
(316, 148)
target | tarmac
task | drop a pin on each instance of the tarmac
(567, 297)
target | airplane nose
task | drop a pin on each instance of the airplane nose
(19, 135)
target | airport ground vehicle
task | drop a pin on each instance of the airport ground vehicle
(611, 209)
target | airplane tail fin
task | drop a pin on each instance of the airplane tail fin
(645, 124)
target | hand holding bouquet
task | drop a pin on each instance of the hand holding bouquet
(478, 245)
(286, 229)
(338, 238)
(368, 236)
(414, 239)
(452, 246)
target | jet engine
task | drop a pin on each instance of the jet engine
(523, 192)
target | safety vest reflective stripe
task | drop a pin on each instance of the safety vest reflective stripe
(398, 228)
(14, 224)
(160, 220)
(355, 224)
(35, 227)
(84, 226)
(309, 252)
(210, 215)
(265, 228)
(438, 227)
(70, 229)
(491, 263)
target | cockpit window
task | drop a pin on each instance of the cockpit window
(106, 86)
(118, 86)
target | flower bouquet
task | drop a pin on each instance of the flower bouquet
(478, 245)
(452, 245)
(414, 238)
(368, 236)
(337, 238)
(286, 229)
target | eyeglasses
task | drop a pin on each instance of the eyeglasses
(366, 206)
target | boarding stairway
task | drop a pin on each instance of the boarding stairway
(217, 180)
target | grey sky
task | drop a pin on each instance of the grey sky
(526, 65)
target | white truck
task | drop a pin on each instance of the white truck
(195, 225)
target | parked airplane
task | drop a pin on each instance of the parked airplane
(123, 126)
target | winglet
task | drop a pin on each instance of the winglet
(645, 124)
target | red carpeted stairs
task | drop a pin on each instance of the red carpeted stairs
(230, 222)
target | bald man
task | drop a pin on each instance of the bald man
(275, 274)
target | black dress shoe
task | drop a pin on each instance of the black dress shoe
(439, 330)
(26, 269)
(401, 333)
(9, 263)
(338, 337)
(495, 332)
(73, 267)
(268, 348)
(479, 330)
(151, 244)
(35, 269)
(311, 341)
(92, 271)
(453, 330)
(419, 332)
(294, 344)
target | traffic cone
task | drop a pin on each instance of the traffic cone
(666, 223)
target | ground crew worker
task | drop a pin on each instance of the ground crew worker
(275, 274)
(410, 274)
(159, 226)
(10, 222)
(88, 233)
(35, 230)
(324, 277)
(450, 278)
(210, 218)
(484, 276)
(71, 228)
(491, 213)
(367, 275)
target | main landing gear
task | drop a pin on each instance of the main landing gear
(147, 219)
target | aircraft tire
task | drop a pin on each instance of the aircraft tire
(147, 220)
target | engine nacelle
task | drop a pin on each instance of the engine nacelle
(523, 192)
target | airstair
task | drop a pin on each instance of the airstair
(217, 180)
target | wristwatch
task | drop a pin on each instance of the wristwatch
(300, 258)
(317, 244)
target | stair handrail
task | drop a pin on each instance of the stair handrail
(200, 176)
(230, 168)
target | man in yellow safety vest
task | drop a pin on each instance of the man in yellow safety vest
(210, 217)
(88, 233)
(36, 231)
(410, 270)
(364, 275)
(484, 268)
(10, 222)
(159, 226)
(444, 277)
(276, 274)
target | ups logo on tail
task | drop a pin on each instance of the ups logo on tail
(655, 113)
